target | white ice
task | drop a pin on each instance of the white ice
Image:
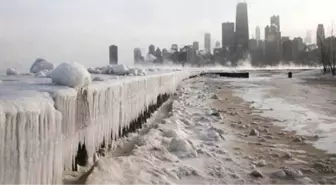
(71, 74)
(184, 146)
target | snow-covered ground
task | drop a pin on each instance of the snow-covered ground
(184, 143)
(305, 103)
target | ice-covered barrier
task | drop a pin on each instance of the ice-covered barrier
(43, 126)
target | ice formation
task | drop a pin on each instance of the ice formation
(40, 132)
(71, 74)
(11, 71)
(41, 65)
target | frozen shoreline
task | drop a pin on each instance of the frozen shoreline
(302, 104)
(41, 124)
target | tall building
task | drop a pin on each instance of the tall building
(113, 50)
(308, 39)
(207, 42)
(151, 49)
(196, 45)
(320, 35)
(228, 35)
(257, 32)
(174, 48)
(217, 45)
(275, 21)
(242, 28)
(137, 55)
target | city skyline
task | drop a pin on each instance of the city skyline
(81, 31)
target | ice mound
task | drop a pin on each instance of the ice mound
(11, 72)
(41, 65)
(182, 148)
(71, 74)
(94, 70)
(120, 69)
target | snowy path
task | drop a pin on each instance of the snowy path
(188, 145)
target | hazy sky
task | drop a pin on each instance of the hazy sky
(82, 30)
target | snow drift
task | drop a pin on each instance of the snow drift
(71, 74)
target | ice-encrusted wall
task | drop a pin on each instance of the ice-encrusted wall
(39, 135)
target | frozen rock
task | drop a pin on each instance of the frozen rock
(281, 174)
(256, 174)
(215, 97)
(11, 72)
(306, 180)
(288, 155)
(298, 139)
(215, 113)
(260, 163)
(181, 148)
(120, 69)
(71, 74)
(97, 78)
(254, 132)
(41, 65)
(290, 172)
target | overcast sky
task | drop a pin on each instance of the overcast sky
(82, 30)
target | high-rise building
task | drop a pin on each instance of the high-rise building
(207, 42)
(151, 49)
(137, 55)
(217, 45)
(275, 21)
(158, 55)
(113, 50)
(267, 31)
(228, 35)
(308, 39)
(257, 32)
(242, 28)
(196, 45)
(320, 35)
(174, 48)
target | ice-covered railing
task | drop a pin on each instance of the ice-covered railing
(41, 124)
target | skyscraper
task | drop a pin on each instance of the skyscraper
(267, 31)
(257, 34)
(113, 50)
(151, 49)
(308, 39)
(174, 48)
(196, 45)
(242, 28)
(207, 42)
(275, 20)
(228, 35)
(320, 35)
(137, 55)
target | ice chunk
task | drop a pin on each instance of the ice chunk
(41, 65)
(134, 71)
(94, 71)
(11, 71)
(120, 69)
(71, 74)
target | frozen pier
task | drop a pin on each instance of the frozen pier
(43, 126)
